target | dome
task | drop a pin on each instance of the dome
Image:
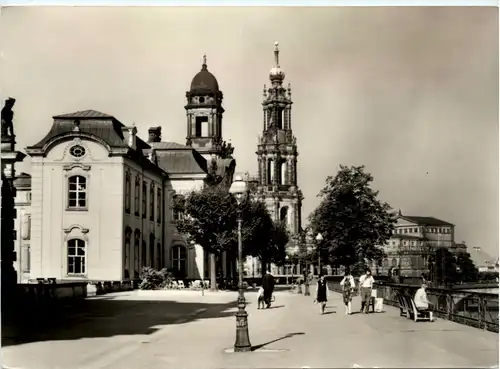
(204, 81)
(276, 73)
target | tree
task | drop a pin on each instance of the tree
(262, 238)
(352, 220)
(444, 267)
(210, 220)
(467, 271)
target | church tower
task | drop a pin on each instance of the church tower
(204, 113)
(277, 153)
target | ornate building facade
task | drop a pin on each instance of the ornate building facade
(276, 182)
(102, 198)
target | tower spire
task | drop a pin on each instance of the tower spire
(276, 54)
(204, 65)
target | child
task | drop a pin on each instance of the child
(260, 298)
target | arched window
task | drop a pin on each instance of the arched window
(283, 172)
(127, 192)
(76, 257)
(270, 171)
(151, 250)
(77, 192)
(137, 265)
(394, 263)
(143, 254)
(152, 202)
(159, 256)
(136, 195)
(128, 233)
(179, 260)
(284, 215)
(158, 205)
(385, 263)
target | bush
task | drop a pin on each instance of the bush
(152, 279)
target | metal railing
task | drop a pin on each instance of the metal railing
(476, 309)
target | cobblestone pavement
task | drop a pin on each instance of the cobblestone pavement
(185, 330)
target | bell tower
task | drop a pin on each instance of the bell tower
(204, 113)
(277, 153)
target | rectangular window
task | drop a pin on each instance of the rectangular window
(77, 192)
(127, 192)
(144, 199)
(136, 198)
(76, 256)
(158, 206)
(152, 202)
(201, 127)
(25, 259)
(415, 230)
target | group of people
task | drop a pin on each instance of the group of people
(348, 287)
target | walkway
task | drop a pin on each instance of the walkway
(127, 331)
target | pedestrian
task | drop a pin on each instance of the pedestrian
(268, 286)
(421, 301)
(365, 290)
(322, 293)
(260, 298)
(348, 285)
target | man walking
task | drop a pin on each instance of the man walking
(268, 285)
(365, 290)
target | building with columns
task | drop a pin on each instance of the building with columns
(276, 181)
(413, 240)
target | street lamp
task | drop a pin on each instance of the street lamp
(286, 268)
(319, 238)
(242, 343)
(308, 251)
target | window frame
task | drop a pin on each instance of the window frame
(158, 205)
(69, 191)
(83, 270)
(137, 192)
(152, 201)
(128, 192)
(144, 199)
(177, 260)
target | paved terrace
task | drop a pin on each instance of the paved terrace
(182, 329)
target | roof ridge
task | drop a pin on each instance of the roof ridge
(88, 113)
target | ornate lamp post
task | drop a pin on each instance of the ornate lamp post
(286, 268)
(242, 343)
(308, 251)
(319, 238)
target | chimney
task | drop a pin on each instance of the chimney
(154, 134)
(132, 132)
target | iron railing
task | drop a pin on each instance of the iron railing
(476, 309)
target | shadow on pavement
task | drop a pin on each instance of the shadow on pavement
(257, 347)
(105, 317)
(276, 307)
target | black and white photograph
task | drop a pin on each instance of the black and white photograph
(249, 186)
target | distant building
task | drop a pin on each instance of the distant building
(483, 261)
(414, 239)
(22, 226)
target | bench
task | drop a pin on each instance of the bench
(403, 307)
(418, 315)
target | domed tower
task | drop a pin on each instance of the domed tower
(204, 113)
(277, 152)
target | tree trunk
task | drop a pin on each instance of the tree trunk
(213, 277)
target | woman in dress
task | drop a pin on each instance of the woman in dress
(347, 285)
(322, 293)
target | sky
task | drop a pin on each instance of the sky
(409, 92)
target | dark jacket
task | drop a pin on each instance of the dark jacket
(268, 282)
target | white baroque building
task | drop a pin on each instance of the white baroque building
(100, 198)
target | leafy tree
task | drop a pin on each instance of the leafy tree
(444, 267)
(467, 271)
(352, 220)
(211, 221)
(262, 238)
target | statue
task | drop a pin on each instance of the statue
(7, 117)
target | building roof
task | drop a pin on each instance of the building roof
(425, 221)
(480, 258)
(94, 123)
(84, 114)
(204, 81)
(166, 145)
(181, 161)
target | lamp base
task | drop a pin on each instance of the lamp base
(242, 342)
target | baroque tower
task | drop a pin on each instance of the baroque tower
(204, 113)
(277, 153)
